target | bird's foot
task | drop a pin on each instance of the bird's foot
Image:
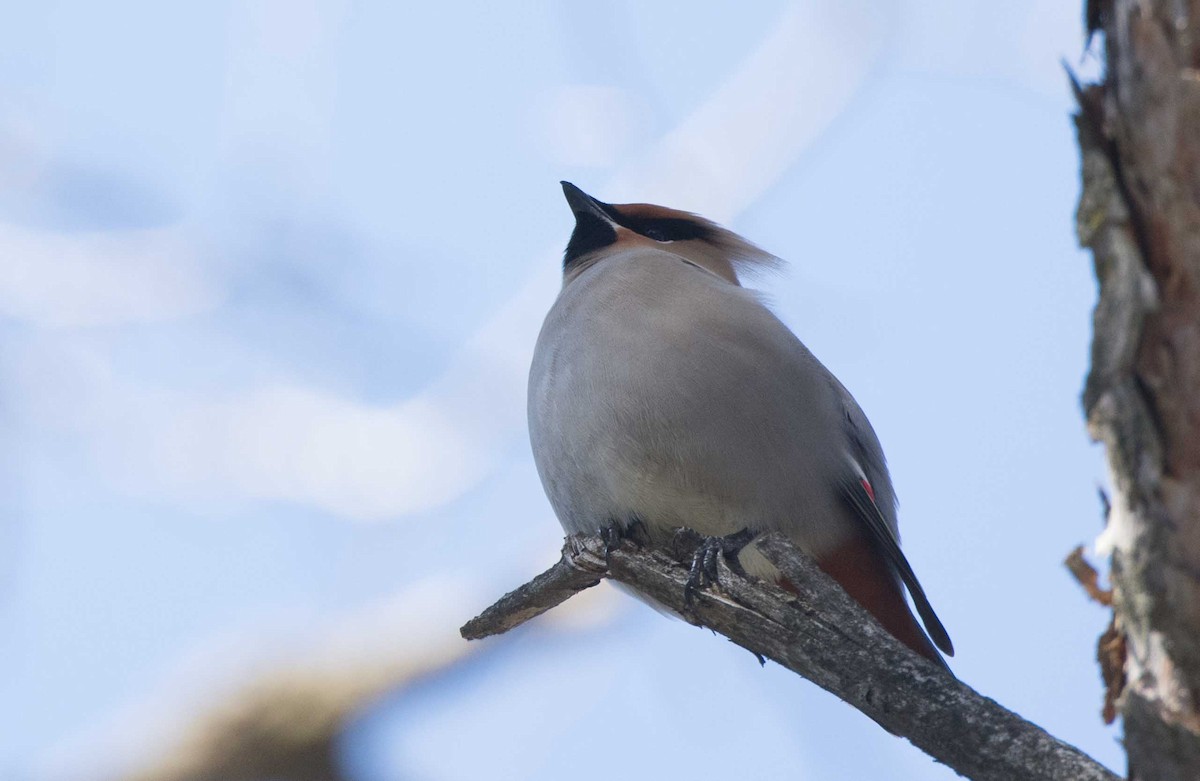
(613, 533)
(704, 570)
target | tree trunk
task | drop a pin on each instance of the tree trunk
(1140, 214)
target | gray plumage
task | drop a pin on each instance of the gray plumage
(662, 390)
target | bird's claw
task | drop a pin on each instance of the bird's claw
(614, 533)
(704, 571)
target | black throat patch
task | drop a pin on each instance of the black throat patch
(591, 233)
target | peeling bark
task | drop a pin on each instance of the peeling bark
(1139, 135)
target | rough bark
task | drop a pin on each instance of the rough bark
(1139, 134)
(822, 634)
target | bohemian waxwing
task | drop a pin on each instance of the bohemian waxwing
(663, 391)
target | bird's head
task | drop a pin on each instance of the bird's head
(605, 228)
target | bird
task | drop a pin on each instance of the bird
(663, 393)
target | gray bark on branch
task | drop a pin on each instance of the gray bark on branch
(821, 634)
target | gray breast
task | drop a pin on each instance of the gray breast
(661, 391)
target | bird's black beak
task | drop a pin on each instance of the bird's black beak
(594, 221)
(581, 203)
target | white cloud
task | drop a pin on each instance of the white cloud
(93, 278)
(756, 123)
(280, 441)
(370, 462)
(310, 447)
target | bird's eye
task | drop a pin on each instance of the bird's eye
(667, 229)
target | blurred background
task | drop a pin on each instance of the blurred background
(270, 278)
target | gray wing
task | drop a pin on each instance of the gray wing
(881, 529)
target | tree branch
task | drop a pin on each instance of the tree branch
(821, 634)
(580, 567)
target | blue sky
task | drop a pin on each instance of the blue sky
(270, 276)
